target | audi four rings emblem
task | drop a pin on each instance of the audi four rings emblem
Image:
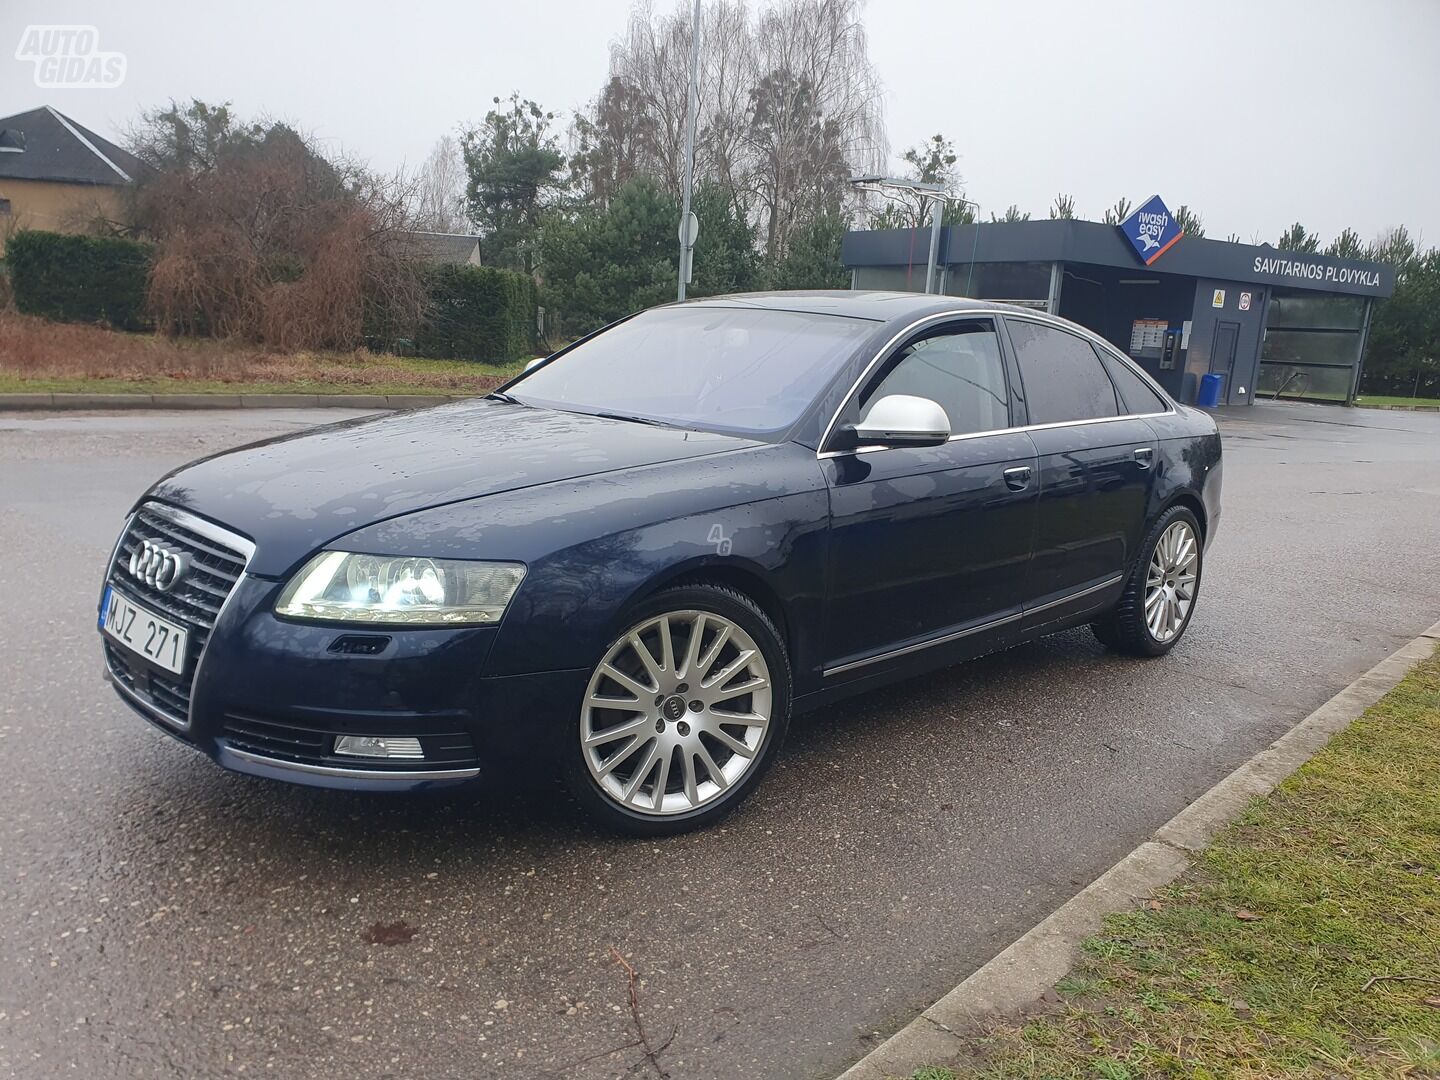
(158, 566)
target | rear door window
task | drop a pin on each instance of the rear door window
(1063, 378)
(1135, 393)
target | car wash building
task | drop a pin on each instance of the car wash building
(1270, 321)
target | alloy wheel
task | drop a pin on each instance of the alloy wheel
(1170, 581)
(676, 712)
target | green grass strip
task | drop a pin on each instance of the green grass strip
(1304, 942)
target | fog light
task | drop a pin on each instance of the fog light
(379, 746)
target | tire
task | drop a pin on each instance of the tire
(669, 723)
(1130, 628)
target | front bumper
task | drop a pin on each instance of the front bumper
(268, 697)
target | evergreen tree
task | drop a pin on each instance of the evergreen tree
(1298, 238)
(813, 261)
(515, 173)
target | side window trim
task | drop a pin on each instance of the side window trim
(1116, 356)
(1120, 409)
(1099, 343)
(881, 371)
(1019, 402)
(1019, 412)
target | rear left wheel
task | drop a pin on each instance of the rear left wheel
(683, 712)
(1159, 598)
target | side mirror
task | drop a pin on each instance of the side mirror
(533, 364)
(904, 420)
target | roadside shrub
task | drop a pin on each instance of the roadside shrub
(95, 279)
(259, 236)
(478, 313)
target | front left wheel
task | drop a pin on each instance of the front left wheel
(683, 713)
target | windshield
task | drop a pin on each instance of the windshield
(745, 370)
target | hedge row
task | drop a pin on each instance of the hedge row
(478, 313)
(98, 279)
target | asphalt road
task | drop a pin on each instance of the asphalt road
(159, 917)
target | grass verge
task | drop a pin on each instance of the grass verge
(37, 356)
(1304, 942)
(1373, 400)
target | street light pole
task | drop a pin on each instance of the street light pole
(687, 229)
(937, 211)
(936, 196)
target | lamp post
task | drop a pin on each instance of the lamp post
(689, 226)
(935, 195)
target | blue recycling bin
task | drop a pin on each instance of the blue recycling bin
(1212, 390)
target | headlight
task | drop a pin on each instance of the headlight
(337, 586)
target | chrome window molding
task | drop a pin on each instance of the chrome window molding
(823, 454)
(1100, 342)
(1045, 320)
(361, 773)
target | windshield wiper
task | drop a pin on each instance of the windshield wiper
(500, 395)
(630, 419)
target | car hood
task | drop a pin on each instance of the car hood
(295, 494)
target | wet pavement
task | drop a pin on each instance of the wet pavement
(161, 918)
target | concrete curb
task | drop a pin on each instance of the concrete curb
(224, 401)
(1016, 978)
(1400, 408)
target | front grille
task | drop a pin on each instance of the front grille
(308, 744)
(217, 559)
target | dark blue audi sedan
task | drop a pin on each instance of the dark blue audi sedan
(635, 562)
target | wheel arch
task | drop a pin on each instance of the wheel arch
(1192, 502)
(738, 574)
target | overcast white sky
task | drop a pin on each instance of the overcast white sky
(1254, 113)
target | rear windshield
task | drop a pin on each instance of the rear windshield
(742, 370)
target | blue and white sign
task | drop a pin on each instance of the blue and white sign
(1151, 230)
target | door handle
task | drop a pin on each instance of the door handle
(1018, 478)
(1145, 457)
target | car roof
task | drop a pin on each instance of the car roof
(875, 306)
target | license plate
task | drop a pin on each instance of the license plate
(143, 632)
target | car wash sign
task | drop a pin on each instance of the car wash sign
(1151, 230)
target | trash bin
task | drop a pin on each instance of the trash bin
(1212, 390)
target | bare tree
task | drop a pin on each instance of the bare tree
(652, 61)
(1063, 208)
(789, 105)
(611, 143)
(440, 189)
(815, 113)
(259, 236)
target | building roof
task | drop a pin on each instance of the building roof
(438, 247)
(1074, 241)
(44, 144)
